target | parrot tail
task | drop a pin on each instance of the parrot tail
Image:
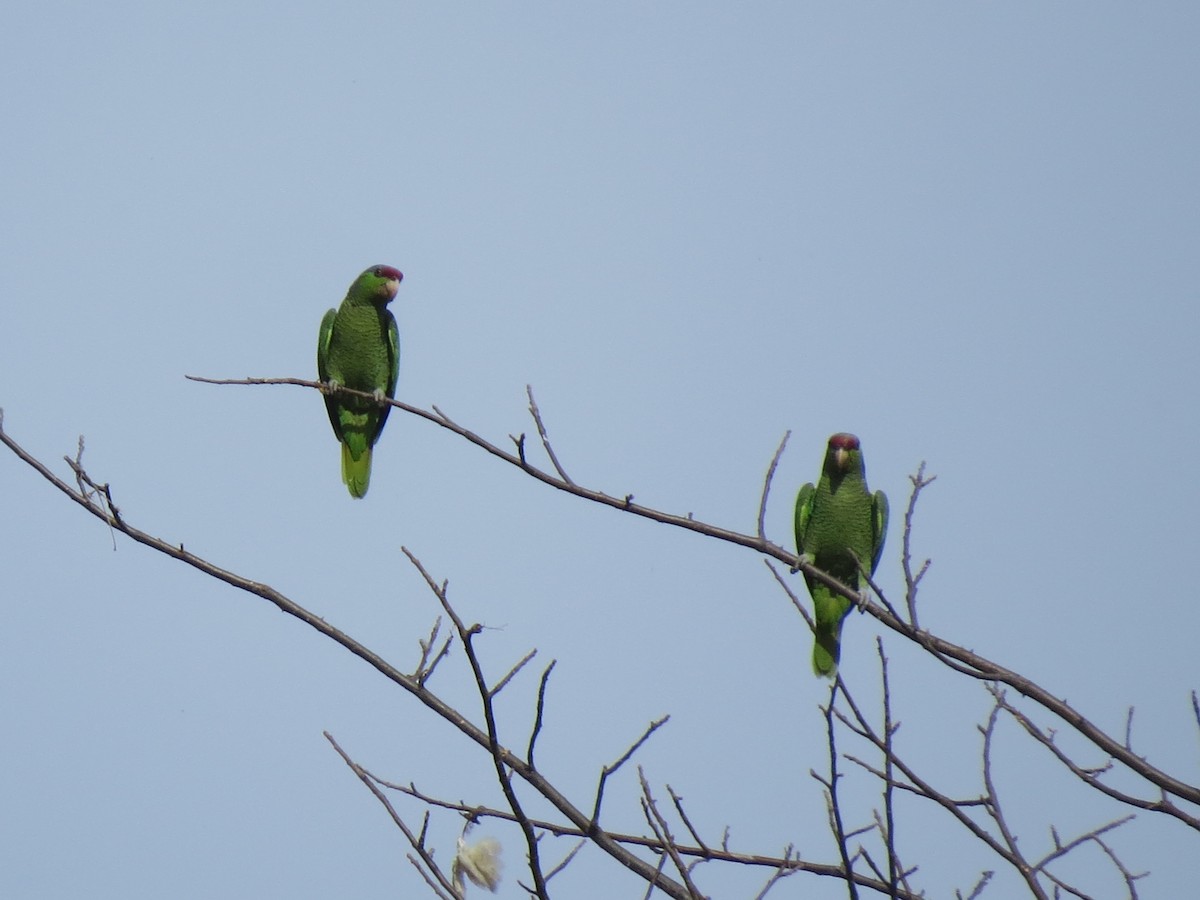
(827, 648)
(356, 473)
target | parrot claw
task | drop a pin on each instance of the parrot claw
(803, 558)
(863, 598)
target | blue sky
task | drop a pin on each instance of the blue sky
(965, 232)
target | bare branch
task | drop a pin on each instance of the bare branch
(662, 864)
(778, 875)
(624, 758)
(499, 754)
(97, 499)
(425, 665)
(538, 718)
(796, 602)
(977, 891)
(683, 817)
(622, 502)
(519, 440)
(663, 831)
(511, 673)
(1060, 849)
(723, 854)
(1091, 776)
(537, 418)
(888, 826)
(433, 885)
(831, 787)
(411, 685)
(919, 483)
(579, 845)
(994, 809)
(762, 504)
(1128, 876)
(431, 868)
(919, 786)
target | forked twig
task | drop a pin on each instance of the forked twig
(537, 418)
(624, 758)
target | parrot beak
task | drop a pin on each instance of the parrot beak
(392, 285)
(841, 459)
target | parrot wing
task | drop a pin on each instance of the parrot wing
(879, 524)
(804, 505)
(323, 339)
(393, 355)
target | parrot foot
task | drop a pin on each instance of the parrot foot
(864, 594)
(805, 559)
(863, 598)
(332, 386)
(380, 396)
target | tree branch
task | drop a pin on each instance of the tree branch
(413, 686)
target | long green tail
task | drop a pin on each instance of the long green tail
(827, 649)
(356, 473)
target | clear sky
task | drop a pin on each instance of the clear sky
(966, 232)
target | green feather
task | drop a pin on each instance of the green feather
(356, 473)
(358, 347)
(838, 523)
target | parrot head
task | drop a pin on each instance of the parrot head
(379, 283)
(843, 455)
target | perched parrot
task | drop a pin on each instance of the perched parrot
(839, 523)
(359, 348)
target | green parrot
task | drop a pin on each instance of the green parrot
(839, 523)
(359, 348)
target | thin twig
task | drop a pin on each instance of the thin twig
(683, 817)
(835, 809)
(996, 811)
(433, 885)
(1092, 776)
(417, 842)
(466, 635)
(889, 729)
(762, 504)
(723, 854)
(538, 717)
(624, 758)
(499, 686)
(1062, 849)
(579, 845)
(662, 864)
(425, 666)
(984, 878)
(919, 786)
(796, 602)
(778, 875)
(537, 418)
(1129, 877)
(659, 826)
(919, 483)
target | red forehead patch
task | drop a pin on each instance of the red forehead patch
(387, 272)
